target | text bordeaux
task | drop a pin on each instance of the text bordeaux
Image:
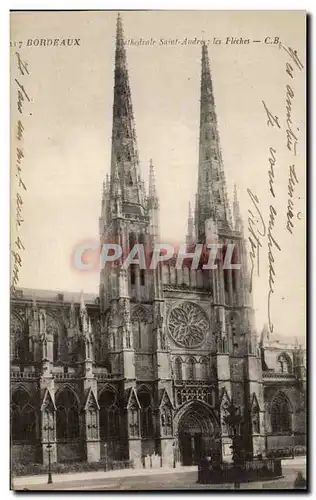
(53, 42)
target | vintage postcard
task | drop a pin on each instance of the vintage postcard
(158, 241)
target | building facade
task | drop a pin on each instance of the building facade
(149, 366)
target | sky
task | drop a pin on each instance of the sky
(67, 134)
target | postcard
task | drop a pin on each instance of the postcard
(158, 242)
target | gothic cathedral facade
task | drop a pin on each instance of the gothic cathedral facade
(149, 366)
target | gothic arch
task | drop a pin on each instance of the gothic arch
(18, 339)
(139, 320)
(196, 431)
(178, 368)
(67, 414)
(68, 387)
(22, 387)
(107, 387)
(140, 313)
(202, 408)
(109, 415)
(205, 367)
(284, 363)
(191, 368)
(23, 416)
(145, 399)
(56, 329)
(281, 411)
(144, 387)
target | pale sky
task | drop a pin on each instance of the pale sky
(67, 136)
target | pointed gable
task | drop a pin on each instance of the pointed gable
(164, 399)
(91, 400)
(224, 398)
(48, 401)
(131, 399)
(254, 403)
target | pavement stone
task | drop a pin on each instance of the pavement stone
(151, 479)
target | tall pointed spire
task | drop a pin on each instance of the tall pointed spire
(124, 144)
(153, 204)
(236, 212)
(190, 234)
(152, 192)
(211, 197)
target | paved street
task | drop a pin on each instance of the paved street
(165, 481)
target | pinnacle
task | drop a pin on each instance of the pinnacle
(82, 303)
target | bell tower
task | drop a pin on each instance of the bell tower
(235, 356)
(129, 219)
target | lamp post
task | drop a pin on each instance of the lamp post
(49, 449)
(233, 420)
(293, 445)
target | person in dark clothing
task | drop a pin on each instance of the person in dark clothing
(300, 482)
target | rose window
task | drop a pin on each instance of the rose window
(188, 325)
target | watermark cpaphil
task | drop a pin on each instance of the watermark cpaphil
(91, 256)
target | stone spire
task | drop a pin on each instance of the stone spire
(238, 223)
(83, 314)
(124, 145)
(190, 234)
(211, 196)
(153, 204)
(152, 192)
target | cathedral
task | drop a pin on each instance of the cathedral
(148, 367)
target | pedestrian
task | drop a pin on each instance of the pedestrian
(300, 482)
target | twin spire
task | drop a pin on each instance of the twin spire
(211, 198)
(124, 159)
(126, 182)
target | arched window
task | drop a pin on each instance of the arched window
(178, 369)
(139, 321)
(53, 328)
(191, 369)
(280, 414)
(67, 417)
(109, 415)
(284, 364)
(204, 368)
(23, 417)
(146, 416)
(19, 340)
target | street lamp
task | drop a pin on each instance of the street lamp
(49, 449)
(174, 454)
(233, 420)
(293, 444)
